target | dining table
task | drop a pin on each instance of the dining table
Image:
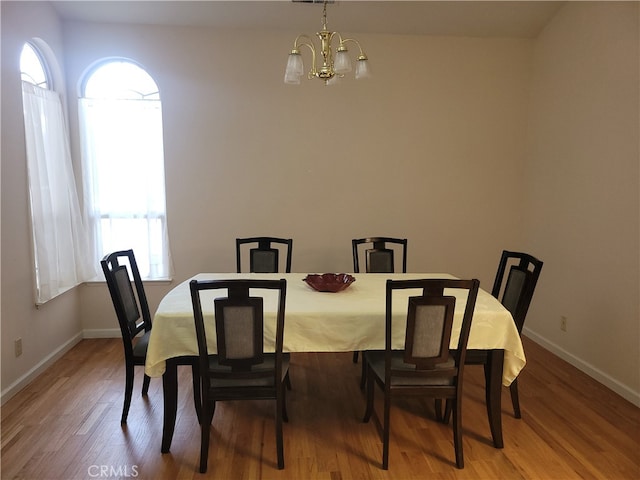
(346, 321)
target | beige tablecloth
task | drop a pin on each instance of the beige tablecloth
(347, 321)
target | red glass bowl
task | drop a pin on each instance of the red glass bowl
(329, 282)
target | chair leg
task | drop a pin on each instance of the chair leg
(447, 411)
(280, 409)
(514, 398)
(438, 410)
(386, 429)
(128, 391)
(285, 416)
(145, 385)
(457, 432)
(204, 445)
(287, 381)
(197, 398)
(363, 375)
(205, 427)
(369, 409)
(355, 357)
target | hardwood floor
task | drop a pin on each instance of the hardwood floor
(66, 425)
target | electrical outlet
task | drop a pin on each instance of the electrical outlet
(18, 346)
(563, 323)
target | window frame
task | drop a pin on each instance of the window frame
(58, 236)
(158, 266)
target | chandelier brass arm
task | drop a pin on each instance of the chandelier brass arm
(296, 51)
(342, 48)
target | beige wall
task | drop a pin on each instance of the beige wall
(46, 332)
(430, 153)
(582, 183)
(435, 147)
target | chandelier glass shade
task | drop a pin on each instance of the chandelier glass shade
(332, 66)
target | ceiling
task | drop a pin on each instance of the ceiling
(462, 18)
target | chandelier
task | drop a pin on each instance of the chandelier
(332, 67)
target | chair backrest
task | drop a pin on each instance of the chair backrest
(239, 328)
(264, 258)
(515, 283)
(120, 269)
(430, 318)
(379, 258)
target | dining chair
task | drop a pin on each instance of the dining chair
(514, 285)
(240, 369)
(264, 257)
(134, 318)
(425, 366)
(379, 258)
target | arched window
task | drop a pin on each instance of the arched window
(123, 158)
(32, 68)
(59, 237)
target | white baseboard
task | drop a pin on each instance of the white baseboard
(595, 373)
(102, 333)
(45, 363)
(608, 381)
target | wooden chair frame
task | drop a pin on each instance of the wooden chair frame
(264, 245)
(134, 318)
(379, 244)
(522, 277)
(246, 377)
(451, 390)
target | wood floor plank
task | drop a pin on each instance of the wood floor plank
(66, 425)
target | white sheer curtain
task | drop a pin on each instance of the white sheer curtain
(123, 162)
(60, 238)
